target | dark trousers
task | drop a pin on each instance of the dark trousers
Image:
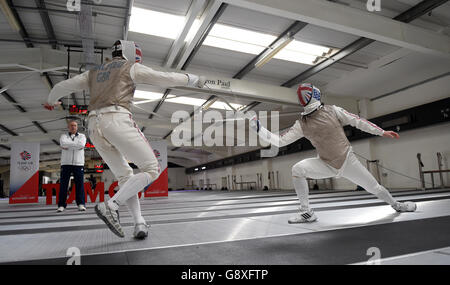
(78, 174)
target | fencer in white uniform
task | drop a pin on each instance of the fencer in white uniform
(323, 125)
(115, 135)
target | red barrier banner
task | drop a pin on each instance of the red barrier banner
(95, 196)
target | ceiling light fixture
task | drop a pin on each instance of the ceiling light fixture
(9, 15)
(273, 51)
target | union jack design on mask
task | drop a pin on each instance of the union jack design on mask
(306, 92)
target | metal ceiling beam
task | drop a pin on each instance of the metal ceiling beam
(47, 23)
(160, 102)
(184, 62)
(55, 142)
(13, 101)
(419, 10)
(357, 22)
(50, 33)
(127, 19)
(39, 126)
(251, 106)
(49, 80)
(199, 44)
(5, 129)
(23, 32)
(290, 32)
(343, 53)
(193, 11)
(210, 12)
(5, 147)
(411, 86)
(413, 13)
(94, 4)
(33, 40)
(40, 115)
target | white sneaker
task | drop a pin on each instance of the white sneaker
(110, 217)
(304, 216)
(60, 209)
(81, 208)
(405, 206)
(140, 231)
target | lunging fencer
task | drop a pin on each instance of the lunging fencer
(112, 129)
(323, 125)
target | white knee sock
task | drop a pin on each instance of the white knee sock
(134, 207)
(131, 188)
(384, 195)
(301, 188)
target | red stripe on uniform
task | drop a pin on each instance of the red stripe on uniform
(364, 120)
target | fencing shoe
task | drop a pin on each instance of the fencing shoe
(110, 217)
(405, 206)
(81, 208)
(60, 209)
(304, 216)
(140, 231)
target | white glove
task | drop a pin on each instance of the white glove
(254, 123)
(195, 80)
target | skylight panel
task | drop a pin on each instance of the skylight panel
(307, 48)
(155, 23)
(294, 56)
(241, 35)
(194, 28)
(224, 36)
(187, 101)
(301, 52)
(224, 106)
(140, 94)
(232, 45)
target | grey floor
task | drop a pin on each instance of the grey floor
(218, 227)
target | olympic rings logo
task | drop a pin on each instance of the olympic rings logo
(25, 168)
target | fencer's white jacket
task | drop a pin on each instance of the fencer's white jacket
(324, 129)
(140, 74)
(72, 149)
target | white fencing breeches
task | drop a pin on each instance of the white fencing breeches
(118, 140)
(352, 169)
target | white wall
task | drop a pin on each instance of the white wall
(425, 93)
(177, 178)
(400, 155)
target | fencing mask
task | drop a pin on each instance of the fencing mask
(128, 50)
(309, 97)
